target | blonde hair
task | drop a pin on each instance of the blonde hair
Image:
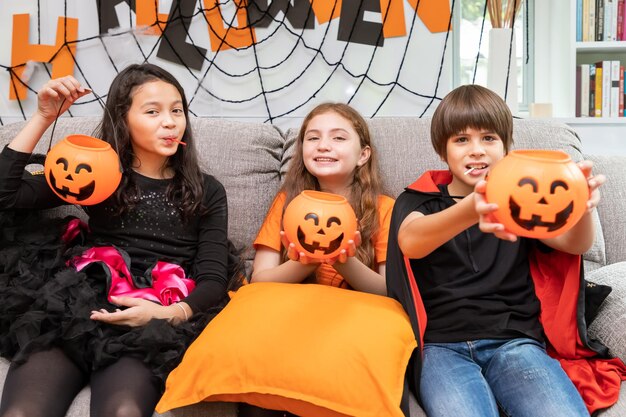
(366, 186)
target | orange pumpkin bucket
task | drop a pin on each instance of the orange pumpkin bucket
(82, 170)
(540, 193)
(319, 224)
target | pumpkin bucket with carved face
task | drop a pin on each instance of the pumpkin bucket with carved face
(540, 193)
(82, 170)
(319, 224)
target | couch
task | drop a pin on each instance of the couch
(250, 159)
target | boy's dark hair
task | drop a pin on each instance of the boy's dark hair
(470, 106)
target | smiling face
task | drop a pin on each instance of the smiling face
(82, 169)
(539, 193)
(319, 223)
(156, 122)
(536, 203)
(332, 151)
(469, 155)
(75, 182)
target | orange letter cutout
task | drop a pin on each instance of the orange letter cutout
(434, 13)
(228, 37)
(22, 51)
(147, 12)
(322, 9)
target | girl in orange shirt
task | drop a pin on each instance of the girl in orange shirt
(333, 154)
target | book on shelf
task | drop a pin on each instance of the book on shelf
(579, 94)
(579, 21)
(600, 89)
(592, 90)
(614, 83)
(598, 96)
(621, 91)
(608, 20)
(600, 20)
(623, 10)
(582, 90)
(592, 20)
(599, 23)
(620, 20)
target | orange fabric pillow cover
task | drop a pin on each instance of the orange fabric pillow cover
(312, 350)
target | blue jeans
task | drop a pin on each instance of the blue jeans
(475, 378)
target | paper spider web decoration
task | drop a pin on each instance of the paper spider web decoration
(272, 60)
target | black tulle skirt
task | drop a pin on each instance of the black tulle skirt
(44, 304)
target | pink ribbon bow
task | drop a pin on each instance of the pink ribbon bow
(169, 284)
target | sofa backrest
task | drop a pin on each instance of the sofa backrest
(250, 160)
(405, 152)
(245, 157)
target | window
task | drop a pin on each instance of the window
(468, 16)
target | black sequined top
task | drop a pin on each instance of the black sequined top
(153, 230)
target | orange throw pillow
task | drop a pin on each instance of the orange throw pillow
(312, 350)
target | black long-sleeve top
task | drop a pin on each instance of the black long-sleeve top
(153, 230)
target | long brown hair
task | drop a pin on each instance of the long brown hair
(366, 186)
(187, 187)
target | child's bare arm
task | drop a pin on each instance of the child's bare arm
(268, 267)
(421, 234)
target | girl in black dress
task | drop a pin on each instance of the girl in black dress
(167, 222)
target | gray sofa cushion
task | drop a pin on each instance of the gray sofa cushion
(255, 149)
(246, 159)
(405, 152)
(612, 207)
(610, 324)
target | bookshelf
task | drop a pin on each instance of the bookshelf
(556, 55)
(604, 47)
(592, 52)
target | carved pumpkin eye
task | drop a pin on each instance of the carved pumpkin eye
(539, 193)
(62, 161)
(558, 183)
(82, 167)
(82, 170)
(530, 181)
(319, 224)
(334, 220)
(314, 217)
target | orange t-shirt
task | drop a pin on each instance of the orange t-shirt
(269, 236)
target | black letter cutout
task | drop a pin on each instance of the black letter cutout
(352, 14)
(300, 14)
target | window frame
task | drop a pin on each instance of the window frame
(528, 49)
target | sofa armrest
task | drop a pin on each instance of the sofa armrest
(609, 327)
(612, 207)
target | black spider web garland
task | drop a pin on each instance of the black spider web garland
(480, 42)
(177, 16)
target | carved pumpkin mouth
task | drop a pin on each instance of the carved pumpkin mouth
(535, 221)
(316, 246)
(83, 192)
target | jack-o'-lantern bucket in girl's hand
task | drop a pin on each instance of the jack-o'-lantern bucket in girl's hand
(540, 193)
(82, 170)
(319, 224)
